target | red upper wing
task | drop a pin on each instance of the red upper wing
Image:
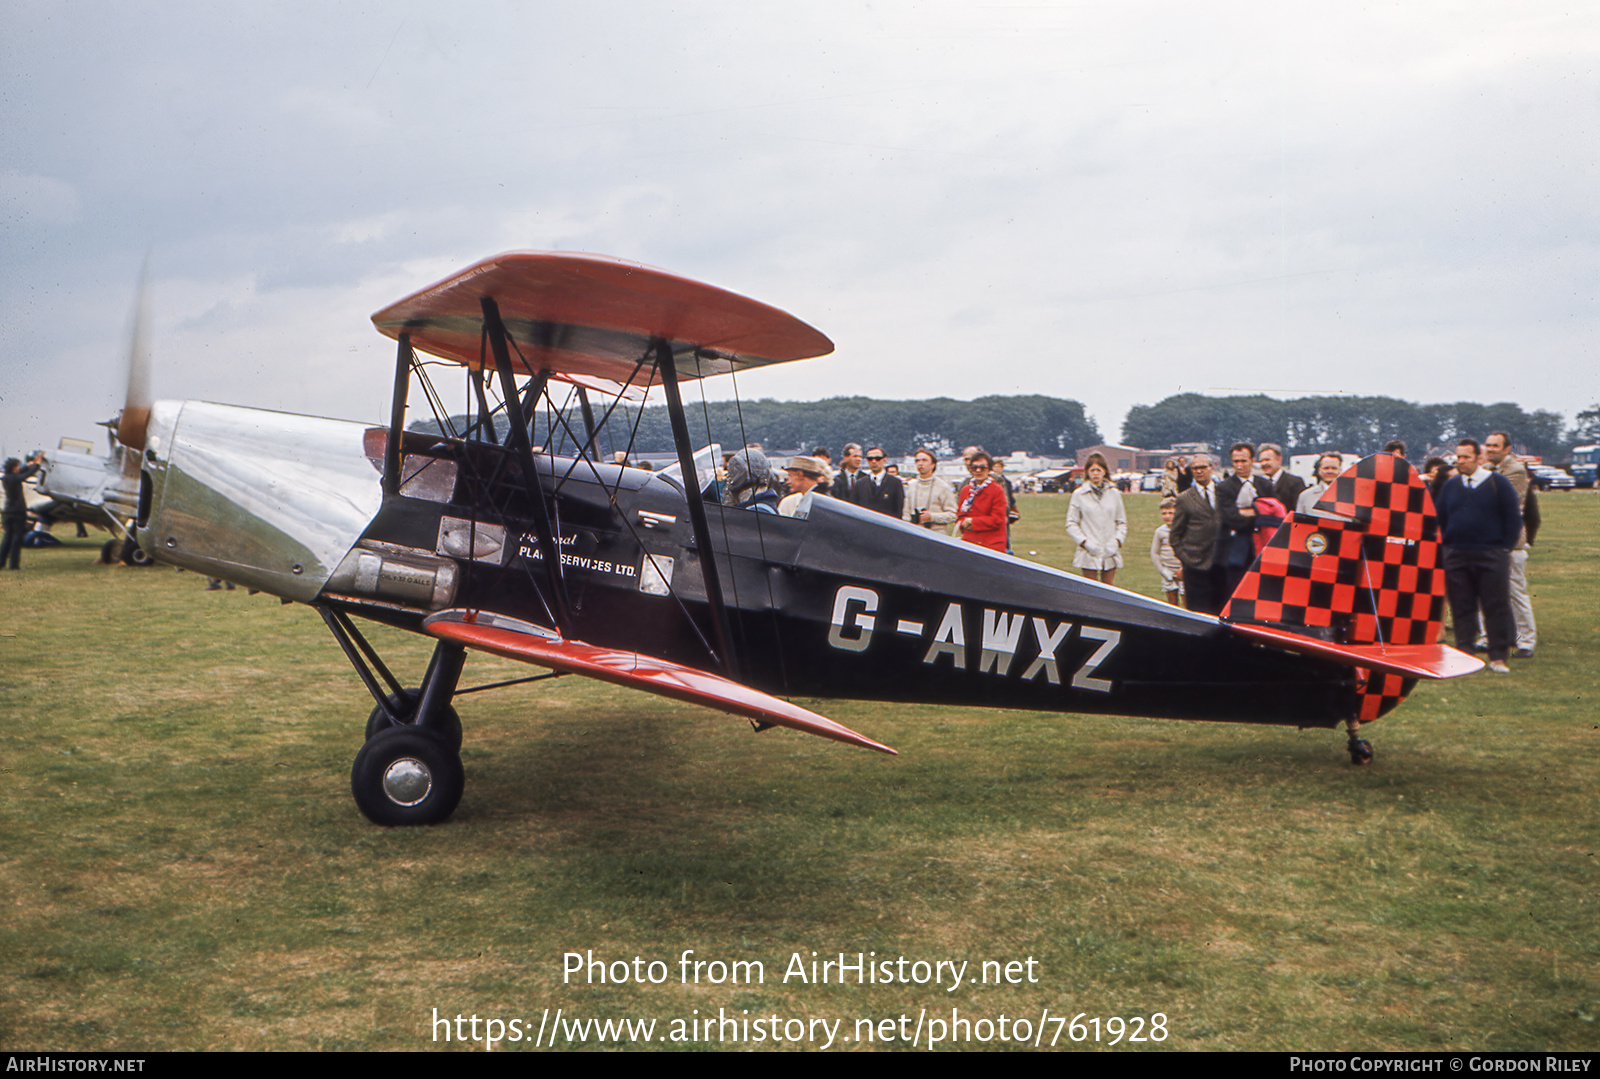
(590, 315)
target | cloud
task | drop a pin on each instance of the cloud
(37, 201)
(1105, 202)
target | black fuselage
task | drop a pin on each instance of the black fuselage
(845, 603)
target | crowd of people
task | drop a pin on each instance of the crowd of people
(1213, 527)
(1214, 521)
(982, 512)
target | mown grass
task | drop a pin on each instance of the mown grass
(182, 866)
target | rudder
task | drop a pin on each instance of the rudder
(1370, 575)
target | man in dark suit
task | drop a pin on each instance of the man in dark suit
(1286, 486)
(881, 491)
(847, 483)
(1237, 530)
(1193, 536)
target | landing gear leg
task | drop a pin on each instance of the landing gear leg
(402, 707)
(1360, 748)
(402, 712)
(438, 686)
(407, 708)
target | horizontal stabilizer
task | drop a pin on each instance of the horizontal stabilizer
(534, 644)
(1413, 660)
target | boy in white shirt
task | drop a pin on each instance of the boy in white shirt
(1164, 558)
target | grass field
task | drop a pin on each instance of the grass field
(182, 866)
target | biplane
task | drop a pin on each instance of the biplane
(481, 539)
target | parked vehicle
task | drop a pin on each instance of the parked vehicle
(1584, 459)
(1549, 478)
(1058, 480)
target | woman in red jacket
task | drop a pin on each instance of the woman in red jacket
(981, 517)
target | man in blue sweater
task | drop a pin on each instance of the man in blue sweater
(1480, 519)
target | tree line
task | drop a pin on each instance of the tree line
(1001, 424)
(1056, 427)
(1350, 424)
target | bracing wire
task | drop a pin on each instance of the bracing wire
(761, 538)
(733, 574)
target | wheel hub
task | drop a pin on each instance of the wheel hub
(407, 781)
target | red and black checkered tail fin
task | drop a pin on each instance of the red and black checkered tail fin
(1370, 576)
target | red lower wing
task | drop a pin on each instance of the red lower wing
(647, 673)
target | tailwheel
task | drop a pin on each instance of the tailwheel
(405, 776)
(448, 727)
(1360, 751)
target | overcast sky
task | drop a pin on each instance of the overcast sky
(1110, 202)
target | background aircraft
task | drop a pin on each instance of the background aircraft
(567, 562)
(77, 485)
(104, 491)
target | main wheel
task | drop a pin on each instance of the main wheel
(1360, 751)
(133, 555)
(404, 776)
(407, 711)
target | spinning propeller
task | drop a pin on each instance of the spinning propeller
(134, 419)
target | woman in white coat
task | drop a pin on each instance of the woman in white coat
(930, 501)
(1097, 523)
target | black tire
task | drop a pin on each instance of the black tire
(1360, 752)
(377, 721)
(110, 551)
(407, 777)
(133, 555)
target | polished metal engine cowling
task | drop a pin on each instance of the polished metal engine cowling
(269, 500)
